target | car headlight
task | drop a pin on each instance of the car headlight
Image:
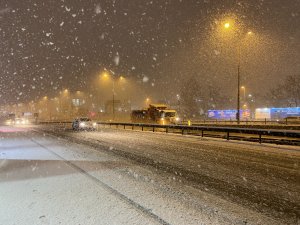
(82, 124)
(94, 124)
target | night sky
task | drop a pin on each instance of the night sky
(47, 45)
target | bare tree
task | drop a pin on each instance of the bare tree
(286, 94)
(198, 96)
(190, 96)
(292, 89)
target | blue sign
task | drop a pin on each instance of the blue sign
(281, 113)
(227, 114)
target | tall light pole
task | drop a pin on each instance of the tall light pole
(113, 89)
(106, 76)
(238, 85)
(227, 26)
(147, 101)
(178, 102)
(113, 103)
(45, 99)
(244, 90)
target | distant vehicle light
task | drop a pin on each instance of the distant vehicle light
(82, 124)
(177, 119)
(18, 122)
(94, 124)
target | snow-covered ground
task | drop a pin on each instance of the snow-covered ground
(49, 180)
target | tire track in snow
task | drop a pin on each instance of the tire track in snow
(121, 196)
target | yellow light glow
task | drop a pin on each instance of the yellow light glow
(243, 87)
(227, 25)
(249, 32)
(104, 75)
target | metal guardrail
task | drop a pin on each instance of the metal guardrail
(282, 122)
(260, 135)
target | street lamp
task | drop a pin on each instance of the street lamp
(147, 101)
(178, 102)
(244, 89)
(106, 75)
(227, 26)
(46, 104)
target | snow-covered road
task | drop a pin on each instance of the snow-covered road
(121, 177)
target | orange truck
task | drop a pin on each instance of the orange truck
(155, 113)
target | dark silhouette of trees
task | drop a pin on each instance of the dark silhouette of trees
(198, 96)
(286, 94)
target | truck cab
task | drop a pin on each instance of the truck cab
(161, 114)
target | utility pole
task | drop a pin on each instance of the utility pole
(238, 86)
(113, 103)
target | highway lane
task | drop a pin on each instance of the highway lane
(56, 175)
(47, 181)
(264, 178)
(50, 180)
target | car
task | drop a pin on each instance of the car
(84, 123)
(10, 122)
(17, 121)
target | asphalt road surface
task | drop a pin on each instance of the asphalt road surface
(50, 175)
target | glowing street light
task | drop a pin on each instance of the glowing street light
(244, 89)
(45, 105)
(227, 26)
(147, 101)
(105, 75)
